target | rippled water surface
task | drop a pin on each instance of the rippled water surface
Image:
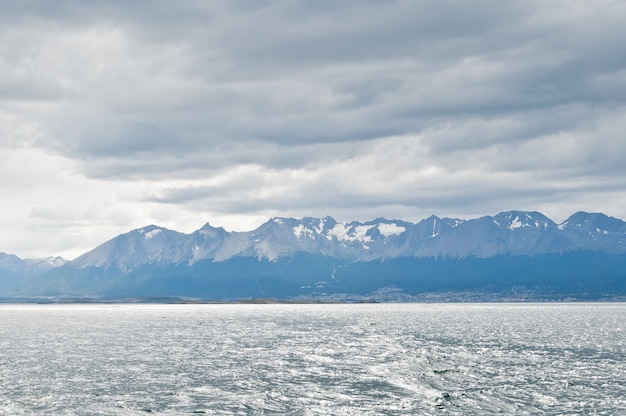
(365, 359)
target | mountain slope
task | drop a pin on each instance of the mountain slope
(146, 245)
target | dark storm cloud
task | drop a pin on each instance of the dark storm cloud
(264, 71)
(309, 72)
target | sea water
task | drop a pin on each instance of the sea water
(359, 359)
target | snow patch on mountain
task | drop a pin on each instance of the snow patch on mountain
(46, 263)
(363, 233)
(390, 229)
(516, 223)
(301, 231)
(455, 223)
(346, 232)
(435, 233)
(150, 234)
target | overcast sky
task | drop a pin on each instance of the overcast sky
(119, 114)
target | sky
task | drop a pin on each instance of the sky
(119, 114)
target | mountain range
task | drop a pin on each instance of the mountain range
(515, 255)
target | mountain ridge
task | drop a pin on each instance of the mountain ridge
(303, 252)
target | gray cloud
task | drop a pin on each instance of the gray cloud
(406, 108)
(187, 78)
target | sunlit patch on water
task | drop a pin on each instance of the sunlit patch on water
(366, 359)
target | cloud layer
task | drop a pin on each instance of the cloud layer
(118, 114)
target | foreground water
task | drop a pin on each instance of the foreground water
(364, 359)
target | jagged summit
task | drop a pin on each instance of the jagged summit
(593, 222)
(208, 227)
(513, 220)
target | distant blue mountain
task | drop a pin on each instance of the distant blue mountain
(14, 272)
(512, 255)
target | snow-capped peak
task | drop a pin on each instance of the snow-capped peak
(149, 231)
(514, 220)
(311, 227)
